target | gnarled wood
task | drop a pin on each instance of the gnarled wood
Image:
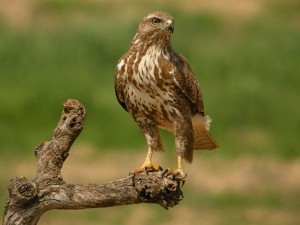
(28, 200)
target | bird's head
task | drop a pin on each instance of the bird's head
(156, 25)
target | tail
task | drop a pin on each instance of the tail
(202, 138)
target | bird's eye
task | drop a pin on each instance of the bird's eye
(156, 21)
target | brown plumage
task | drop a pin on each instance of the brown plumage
(158, 88)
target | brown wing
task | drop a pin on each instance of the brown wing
(188, 84)
(119, 86)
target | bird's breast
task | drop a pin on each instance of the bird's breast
(149, 88)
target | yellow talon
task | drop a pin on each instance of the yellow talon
(149, 167)
(179, 170)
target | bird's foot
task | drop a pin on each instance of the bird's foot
(149, 167)
(178, 173)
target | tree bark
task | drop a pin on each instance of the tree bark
(28, 200)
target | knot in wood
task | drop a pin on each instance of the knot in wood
(153, 187)
(75, 123)
(22, 191)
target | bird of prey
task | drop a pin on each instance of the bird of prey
(158, 88)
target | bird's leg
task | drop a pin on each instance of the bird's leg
(148, 158)
(151, 133)
(147, 165)
(148, 162)
(179, 166)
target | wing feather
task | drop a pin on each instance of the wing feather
(188, 84)
(120, 85)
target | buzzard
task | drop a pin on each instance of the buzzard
(158, 88)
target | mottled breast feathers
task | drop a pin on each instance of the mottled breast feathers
(180, 75)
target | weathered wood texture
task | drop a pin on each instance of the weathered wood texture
(28, 200)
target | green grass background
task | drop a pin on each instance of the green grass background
(248, 69)
(249, 73)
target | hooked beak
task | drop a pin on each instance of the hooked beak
(170, 25)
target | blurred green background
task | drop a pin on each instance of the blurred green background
(246, 55)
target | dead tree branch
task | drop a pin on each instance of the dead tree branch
(28, 200)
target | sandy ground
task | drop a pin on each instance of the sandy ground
(240, 174)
